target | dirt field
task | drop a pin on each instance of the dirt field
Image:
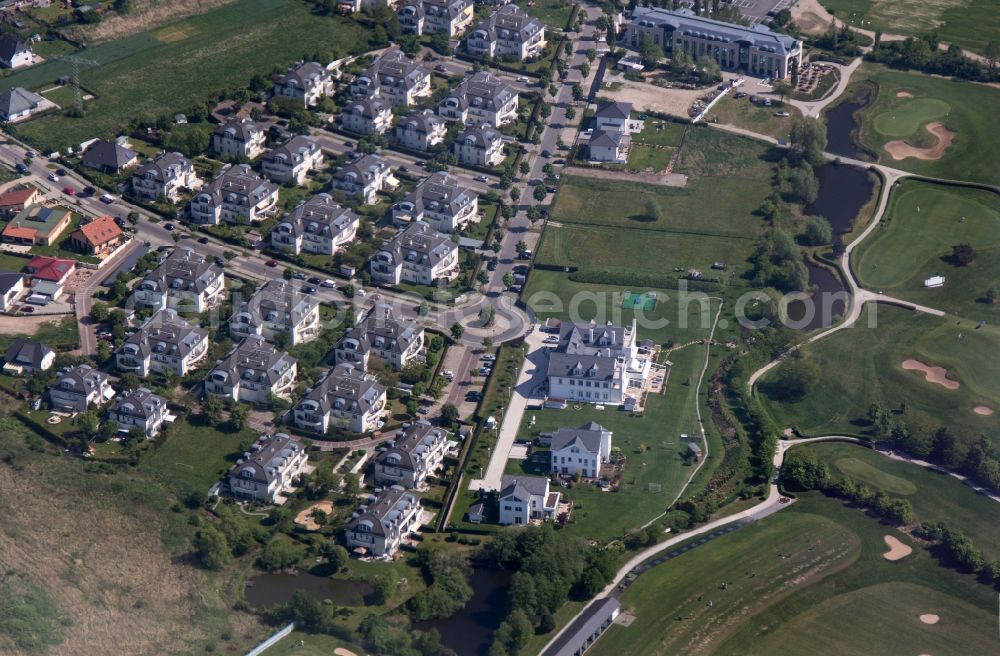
(26, 325)
(897, 550)
(649, 97)
(145, 15)
(936, 375)
(899, 149)
(96, 544)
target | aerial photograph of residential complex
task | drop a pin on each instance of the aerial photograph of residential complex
(499, 327)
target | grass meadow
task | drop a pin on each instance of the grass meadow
(924, 222)
(811, 575)
(173, 67)
(861, 365)
(969, 23)
(959, 105)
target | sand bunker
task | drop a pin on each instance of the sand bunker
(984, 410)
(899, 149)
(904, 94)
(340, 651)
(929, 618)
(897, 550)
(937, 375)
(305, 517)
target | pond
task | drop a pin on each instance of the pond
(843, 191)
(470, 631)
(841, 125)
(826, 303)
(265, 590)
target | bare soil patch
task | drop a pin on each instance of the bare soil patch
(936, 375)
(899, 149)
(983, 410)
(897, 550)
(929, 618)
(305, 518)
(27, 325)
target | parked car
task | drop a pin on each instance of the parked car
(546, 153)
(349, 144)
(61, 172)
(107, 199)
(21, 168)
(550, 189)
(89, 191)
(441, 68)
(69, 191)
(309, 289)
(473, 396)
(202, 240)
(481, 178)
(53, 177)
(329, 284)
(523, 79)
(298, 275)
(169, 227)
(403, 169)
(272, 263)
(315, 280)
(782, 114)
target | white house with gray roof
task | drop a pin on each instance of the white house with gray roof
(80, 387)
(378, 527)
(292, 160)
(141, 409)
(165, 342)
(318, 225)
(526, 498)
(239, 138)
(396, 340)
(367, 115)
(482, 98)
(479, 145)
(417, 254)
(580, 450)
(595, 363)
(268, 471)
(277, 308)
(164, 177)
(18, 103)
(420, 130)
(108, 157)
(27, 357)
(346, 398)
(308, 82)
(252, 372)
(415, 453)
(15, 52)
(440, 201)
(449, 17)
(395, 78)
(364, 178)
(756, 50)
(237, 195)
(616, 116)
(508, 34)
(609, 146)
(184, 280)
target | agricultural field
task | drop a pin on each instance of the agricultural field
(935, 497)
(864, 364)
(711, 219)
(795, 580)
(931, 125)
(182, 64)
(968, 23)
(68, 526)
(924, 221)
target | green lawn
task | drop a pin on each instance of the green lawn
(641, 157)
(935, 498)
(744, 114)
(650, 442)
(62, 334)
(182, 64)
(554, 13)
(923, 223)
(299, 643)
(830, 587)
(959, 105)
(195, 456)
(969, 23)
(657, 132)
(862, 365)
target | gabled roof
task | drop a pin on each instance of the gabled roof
(100, 231)
(607, 139)
(440, 193)
(19, 196)
(482, 90)
(166, 167)
(9, 280)
(253, 360)
(304, 75)
(613, 109)
(481, 136)
(10, 46)
(510, 23)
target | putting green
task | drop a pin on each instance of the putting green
(905, 116)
